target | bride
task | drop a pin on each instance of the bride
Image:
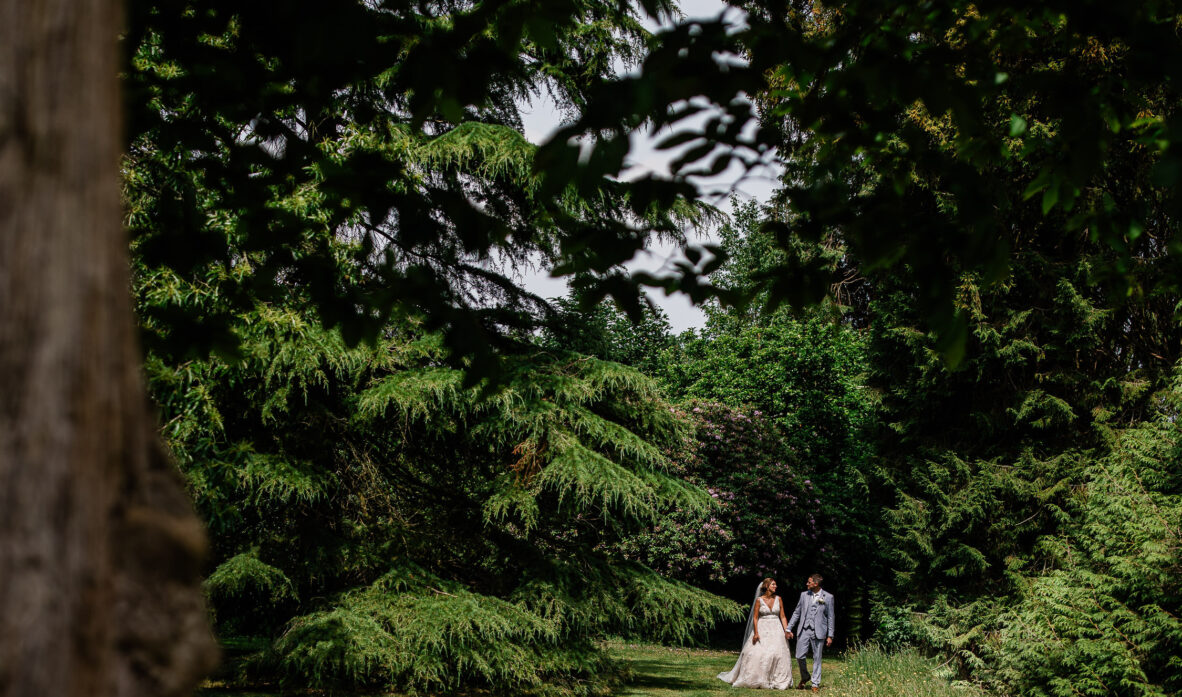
(765, 660)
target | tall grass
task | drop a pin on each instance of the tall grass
(871, 672)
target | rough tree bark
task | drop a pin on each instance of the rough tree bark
(100, 552)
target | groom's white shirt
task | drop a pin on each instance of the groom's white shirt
(820, 615)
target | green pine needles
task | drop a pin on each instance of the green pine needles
(383, 525)
(1108, 619)
(377, 520)
(415, 629)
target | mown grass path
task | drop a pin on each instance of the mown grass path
(659, 671)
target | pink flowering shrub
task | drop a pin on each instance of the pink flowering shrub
(767, 518)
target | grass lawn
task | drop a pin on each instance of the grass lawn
(658, 671)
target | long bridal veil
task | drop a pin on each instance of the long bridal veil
(729, 675)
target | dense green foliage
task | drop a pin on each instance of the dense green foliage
(1069, 338)
(302, 176)
(984, 405)
(803, 374)
(987, 188)
(387, 526)
(1105, 619)
(604, 332)
(264, 135)
(768, 518)
(806, 374)
(920, 135)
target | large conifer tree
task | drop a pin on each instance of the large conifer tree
(376, 521)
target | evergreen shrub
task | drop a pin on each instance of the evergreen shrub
(893, 628)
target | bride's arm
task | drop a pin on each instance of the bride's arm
(755, 622)
(783, 619)
(792, 620)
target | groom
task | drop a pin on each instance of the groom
(813, 622)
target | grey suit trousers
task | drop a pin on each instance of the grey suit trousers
(808, 643)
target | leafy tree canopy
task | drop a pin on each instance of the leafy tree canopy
(916, 134)
(263, 134)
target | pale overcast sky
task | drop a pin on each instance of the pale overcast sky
(540, 120)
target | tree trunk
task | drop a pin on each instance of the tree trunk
(100, 552)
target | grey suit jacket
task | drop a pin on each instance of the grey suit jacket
(809, 613)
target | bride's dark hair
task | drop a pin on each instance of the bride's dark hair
(764, 586)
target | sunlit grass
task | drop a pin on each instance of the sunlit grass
(658, 671)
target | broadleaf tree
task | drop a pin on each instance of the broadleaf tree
(894, 123)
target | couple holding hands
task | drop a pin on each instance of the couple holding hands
(765, 660)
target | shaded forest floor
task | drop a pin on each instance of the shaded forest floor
(661, 671)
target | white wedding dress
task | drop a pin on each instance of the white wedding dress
(767, 664)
